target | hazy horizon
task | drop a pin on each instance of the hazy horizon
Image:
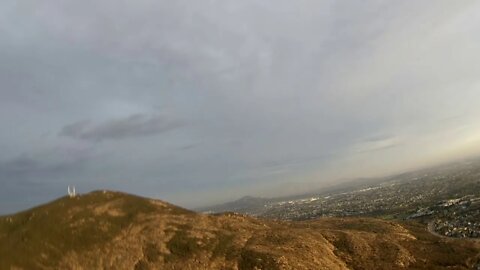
(198, 103)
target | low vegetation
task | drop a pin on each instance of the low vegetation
(131, 232)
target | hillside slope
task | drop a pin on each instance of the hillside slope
(112, 230)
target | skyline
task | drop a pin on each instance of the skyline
(202, 103)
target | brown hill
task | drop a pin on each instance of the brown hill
(111, 230)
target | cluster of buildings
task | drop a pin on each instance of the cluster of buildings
(457, 228)
(440, 196)
(383, 199)
(458, 217)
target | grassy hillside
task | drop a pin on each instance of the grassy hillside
(113, 230)
(43, 235)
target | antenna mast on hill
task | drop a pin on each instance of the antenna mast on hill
(71, 191)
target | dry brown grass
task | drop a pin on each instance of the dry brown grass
(119, 231)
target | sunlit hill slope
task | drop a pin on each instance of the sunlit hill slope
(112, 230)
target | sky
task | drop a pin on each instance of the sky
(201, 102)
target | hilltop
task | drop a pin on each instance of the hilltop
(113, 230)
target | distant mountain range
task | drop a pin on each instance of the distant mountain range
(113, 230)
(247, 204)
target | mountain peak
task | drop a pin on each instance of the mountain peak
(131, 232)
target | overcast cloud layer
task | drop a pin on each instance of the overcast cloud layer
(198, 102)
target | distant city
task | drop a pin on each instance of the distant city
(445, 198)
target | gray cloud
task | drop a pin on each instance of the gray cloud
(28, 170)
(18, 166)
(130, 127)
(274, 92)
(377, 145)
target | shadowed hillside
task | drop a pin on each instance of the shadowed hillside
(118, 231)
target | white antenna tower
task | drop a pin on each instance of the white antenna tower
(71, 191)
